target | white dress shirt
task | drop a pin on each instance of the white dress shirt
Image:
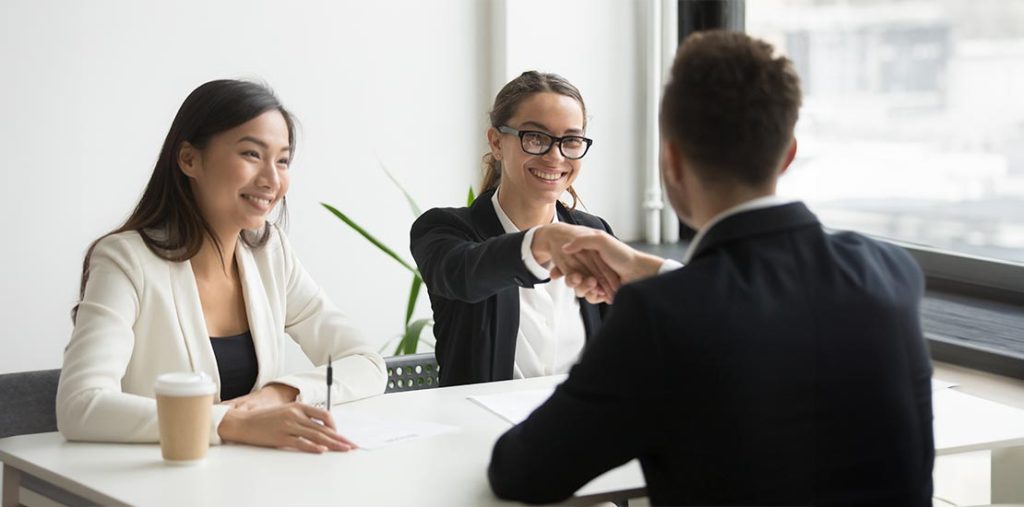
(551, 333)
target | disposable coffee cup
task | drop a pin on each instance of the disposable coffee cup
(183, 402)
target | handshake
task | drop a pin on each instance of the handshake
(594, 263)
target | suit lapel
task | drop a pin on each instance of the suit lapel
(189, 310)
(486, 224)
(259, 313)
(484, 219)
(563, 214)
(193, 324)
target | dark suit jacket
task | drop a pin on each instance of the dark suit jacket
(473, 271)
(782, 365)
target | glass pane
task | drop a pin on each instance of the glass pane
(573, 146)
(535, 142)
(913, 119)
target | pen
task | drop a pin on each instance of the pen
(330, 380)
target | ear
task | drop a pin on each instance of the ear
(189, 159)
(494, 142)
(790, 155)
(676, 180)
(671, 164)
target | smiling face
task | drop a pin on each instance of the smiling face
(241, 174)
(538, 178)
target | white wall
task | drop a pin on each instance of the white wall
(88, 90)
(595, 44)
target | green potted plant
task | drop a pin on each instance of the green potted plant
(412, 329)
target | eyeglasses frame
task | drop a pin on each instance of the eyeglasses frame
(505, 129)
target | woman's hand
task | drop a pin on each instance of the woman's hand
(548, 244)
(294, 425)
(629, 264)
(270, 395)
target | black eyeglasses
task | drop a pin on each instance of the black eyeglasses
(536, 142)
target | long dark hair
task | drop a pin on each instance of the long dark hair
(507, 102)
(167, 216)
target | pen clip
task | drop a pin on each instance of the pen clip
(330, 380)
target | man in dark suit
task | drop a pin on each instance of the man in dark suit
(781, 365)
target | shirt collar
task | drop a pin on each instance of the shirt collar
(506, 222)
(767, 201)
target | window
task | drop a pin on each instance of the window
(913, 119)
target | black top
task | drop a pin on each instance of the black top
(781, 366)
(473, 271)
(236, 362)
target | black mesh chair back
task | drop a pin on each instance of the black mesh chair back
(412, 372)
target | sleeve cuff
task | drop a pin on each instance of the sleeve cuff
(535, 268)
(669, 265)
(217, 413)
(308, 393)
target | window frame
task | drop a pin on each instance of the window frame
(978, 278)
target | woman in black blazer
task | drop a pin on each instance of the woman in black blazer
(497, 315)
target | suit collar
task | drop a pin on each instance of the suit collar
(259, 313)
(752, 222)
(485, 219)
(193, 324)
(753, 204)
(506, 223)
(189, 310)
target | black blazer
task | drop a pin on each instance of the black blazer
(473, 271)
(782, 365)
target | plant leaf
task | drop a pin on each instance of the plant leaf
(414, 294)
(369, 237)
(412, 336)
(470, 197)
(412, 204)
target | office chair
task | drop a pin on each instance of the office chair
(412, 372)
(28, 405)
(27, 402)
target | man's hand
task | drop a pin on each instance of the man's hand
(547, 246)
(628, 264)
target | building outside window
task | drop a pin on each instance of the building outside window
(913, 119)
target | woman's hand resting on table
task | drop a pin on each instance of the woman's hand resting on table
(293, 425)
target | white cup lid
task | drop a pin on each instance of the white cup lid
(184, 384)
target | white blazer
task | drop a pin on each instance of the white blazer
(141, 316)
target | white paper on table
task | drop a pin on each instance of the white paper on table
(372, 433)
(941, 384)
(513, 407)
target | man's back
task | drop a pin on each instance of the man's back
(781, 366)
(804, 356)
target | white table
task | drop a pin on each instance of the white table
(444, 470)
(965, 423)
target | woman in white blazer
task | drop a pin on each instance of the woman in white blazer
(198, 280)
